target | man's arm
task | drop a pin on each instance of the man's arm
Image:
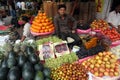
(109, 20)
(118, 28)
(56, 25)
(110, 24)
(23, 38)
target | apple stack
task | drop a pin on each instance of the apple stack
(74, 71)
(103, 64)
(99, 25)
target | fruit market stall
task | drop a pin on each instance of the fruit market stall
(51, 58)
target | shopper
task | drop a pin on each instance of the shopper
(32, 5)
(12, 8)
(19, 8)
(23, 7)
(26, 29)
(62, 22)
(18, 5)
(28, 5)
(114, 17)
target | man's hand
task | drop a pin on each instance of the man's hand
(118, 29)
(73, 31)
(111, 25)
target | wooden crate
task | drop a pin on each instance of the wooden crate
(47, 7)
(55, 7)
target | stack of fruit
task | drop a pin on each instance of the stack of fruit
(42, 24)
(73, 71)
(112, 34)
(103, 64)
(99, 25)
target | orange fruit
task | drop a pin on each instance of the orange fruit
(34, 30)
(53, 28)
(50, 22)
(40, 25)
(45, 24)
(43, 28)
(33, 26)
(50, 29)
(46, 20)
(42, 20)
(47, 27)
(36, 18)
(51, 25)
(40, 14)
(36, 27)
(41, 31)
(40, 17)
(46, 30)
(37, 21)
(33, 22)
(44, 14)
(44, 17)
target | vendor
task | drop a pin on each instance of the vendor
(114, 18)
(62, 25)
(26, 29)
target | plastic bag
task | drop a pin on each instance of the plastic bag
(116, 43)
(93, 77)
(116, 51)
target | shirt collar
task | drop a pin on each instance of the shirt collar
(65, 15)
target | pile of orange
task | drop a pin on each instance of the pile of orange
(42, 24)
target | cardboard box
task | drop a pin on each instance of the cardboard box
(61, 48)
(46, 51)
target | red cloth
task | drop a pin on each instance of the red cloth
(3, 28)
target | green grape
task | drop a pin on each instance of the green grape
(49, 39)
(74, 56)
